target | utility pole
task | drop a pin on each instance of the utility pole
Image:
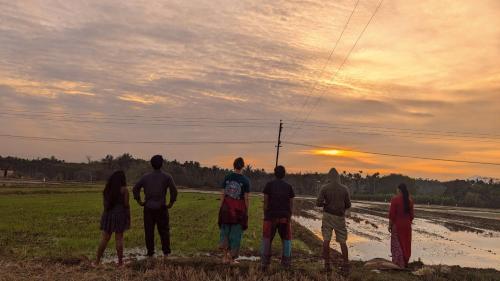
(279, 142)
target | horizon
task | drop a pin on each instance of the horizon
(229, 167)
(211, 81)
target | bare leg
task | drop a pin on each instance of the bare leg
(102, 246)
(119, 247)
(228, 257)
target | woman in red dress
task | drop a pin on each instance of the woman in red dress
(400, 220)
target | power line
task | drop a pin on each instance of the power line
(372, 130)
(141, 118)
(127, 117)
(313, 88)
(187, 123)
(393, 154)
(410, 134)
(341, 127)
(436, 132)
(469, 139)
(208, 142)
(51, 139)
(311, 126)
(341, 65)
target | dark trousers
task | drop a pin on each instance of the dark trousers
(158, 217)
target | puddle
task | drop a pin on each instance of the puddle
(433, 242)
(130, 254)
(248, 258)
(137, 254)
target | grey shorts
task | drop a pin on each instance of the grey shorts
(332, 223)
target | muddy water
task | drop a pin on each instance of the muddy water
(433, 241)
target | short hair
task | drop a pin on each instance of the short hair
(157, 162)
(238, 163)
(279, 172)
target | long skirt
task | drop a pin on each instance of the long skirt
(398, 257)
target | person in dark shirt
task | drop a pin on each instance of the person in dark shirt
(155, 186)
(233, 214)
(278, 205)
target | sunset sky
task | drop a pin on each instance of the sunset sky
(423, 80)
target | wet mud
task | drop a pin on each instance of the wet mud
(438, 238)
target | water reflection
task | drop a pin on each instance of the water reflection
(435, 241)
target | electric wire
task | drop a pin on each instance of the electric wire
(313, 88)
(300, 123)
(392, 154)
(77, 140)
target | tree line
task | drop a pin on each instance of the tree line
(471, 193)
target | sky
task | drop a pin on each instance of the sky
(423, 80)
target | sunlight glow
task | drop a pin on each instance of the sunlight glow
(329, 152)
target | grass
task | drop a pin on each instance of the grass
(61, 224)
(51, 233)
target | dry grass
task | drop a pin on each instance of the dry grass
(209, 268)
(188, 269)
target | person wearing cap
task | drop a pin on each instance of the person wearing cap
(335, 200)
(155, 185)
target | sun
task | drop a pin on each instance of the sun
(329, 152)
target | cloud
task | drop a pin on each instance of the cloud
(144, 99)
(416, 67)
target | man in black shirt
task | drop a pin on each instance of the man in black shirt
(155, 186)
(278, 205)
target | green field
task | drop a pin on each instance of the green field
(50, 233)
(64, 222)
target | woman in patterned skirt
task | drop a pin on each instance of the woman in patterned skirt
(116, 215)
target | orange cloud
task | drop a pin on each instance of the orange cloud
(142, 98)
(48, 89)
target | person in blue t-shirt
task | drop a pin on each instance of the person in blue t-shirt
(233, 215)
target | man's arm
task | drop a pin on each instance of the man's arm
(173, 192)
(347, 201)
(266, 202)
(320, 202)
(266, 196)
(291, 206)
(137, 191)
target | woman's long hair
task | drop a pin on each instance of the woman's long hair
(112, 191)
(406, 197)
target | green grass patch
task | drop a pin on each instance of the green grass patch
(67, 224)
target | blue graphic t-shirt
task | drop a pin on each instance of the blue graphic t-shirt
(236, 185)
